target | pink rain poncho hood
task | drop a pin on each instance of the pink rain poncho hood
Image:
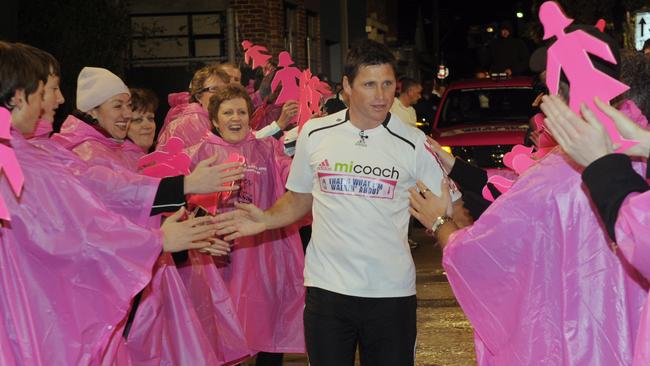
(70, 267)
(264, 274)
(90, 145)
(43, 129)
(178, 102)
(191, 124)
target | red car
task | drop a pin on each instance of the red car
(481, 120)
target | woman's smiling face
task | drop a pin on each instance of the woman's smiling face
(114, 115)
(232, 120)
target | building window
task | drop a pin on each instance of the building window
(177, 38)
(312, 41)
(290, 27)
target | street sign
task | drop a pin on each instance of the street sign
(642, 29)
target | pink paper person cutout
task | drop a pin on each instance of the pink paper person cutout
(8, 163)
(312, 91)
(255, 53)
(288, 77)
(569, 54)
(304, 109)
(169, 161)
(210, 202)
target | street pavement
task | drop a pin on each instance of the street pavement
(444, 334)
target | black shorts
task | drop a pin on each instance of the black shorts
(383, 328)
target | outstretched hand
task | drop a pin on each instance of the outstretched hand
(191, 233)
(246, 220)
(583, 140)
(289, 110)
(209, 178)
(426, 207)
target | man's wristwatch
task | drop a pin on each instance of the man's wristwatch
(441, 220)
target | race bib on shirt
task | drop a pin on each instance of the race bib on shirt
(353, 185)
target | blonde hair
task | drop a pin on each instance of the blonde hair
(201, 76)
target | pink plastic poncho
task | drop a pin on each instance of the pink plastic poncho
(43, 129)
(205, 286)
(177, 104)
(538, 280)
(264, 275)
(191, 124)
(92, 146)
(69, 267)
(121, 190)
(166, 327)
(633, 239)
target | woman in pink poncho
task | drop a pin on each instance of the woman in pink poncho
(204, 284)
(536, 274)
(188, 117)
(264, 272)
(70, 266)
(621, 195)
(165, 327)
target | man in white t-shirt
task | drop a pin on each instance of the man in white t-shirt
(403, 105)
(352, 170)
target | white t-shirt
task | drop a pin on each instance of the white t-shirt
(360, 188)
(405, 114)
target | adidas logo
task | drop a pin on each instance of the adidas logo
(324, 165)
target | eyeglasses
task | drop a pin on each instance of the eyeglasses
(211, 89)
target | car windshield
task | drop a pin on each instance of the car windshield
(486, 106)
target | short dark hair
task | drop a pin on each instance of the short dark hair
(635, 72)
(407, 83)
(51, 63)
(228, 92)
(143, 100)
(20, 69)
(366, 53)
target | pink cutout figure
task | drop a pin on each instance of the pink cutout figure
(210, 202)
(169, 161)
(312, 91)
(569, 53)
(304, 108)
(8, 163)
(288, 77)
(519, 158)
(256, 54)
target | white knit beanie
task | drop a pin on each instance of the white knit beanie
(95, 86)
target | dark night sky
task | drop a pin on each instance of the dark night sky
(456, 18)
